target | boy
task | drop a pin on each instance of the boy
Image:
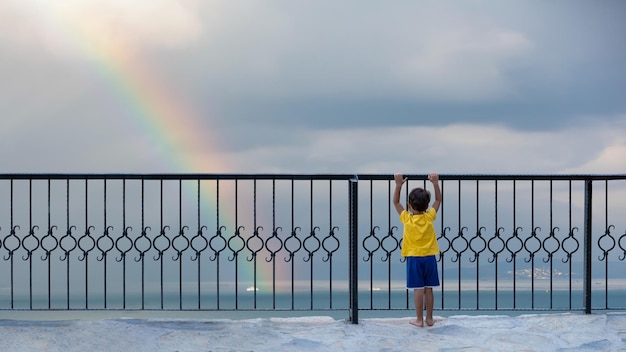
(419, 245)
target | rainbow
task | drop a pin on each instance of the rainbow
(159, 112)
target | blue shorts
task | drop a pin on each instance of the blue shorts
(421, 272)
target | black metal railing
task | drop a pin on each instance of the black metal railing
(305, 242)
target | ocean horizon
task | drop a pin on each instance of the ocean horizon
(379, 301)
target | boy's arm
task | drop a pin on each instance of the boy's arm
(396, 193)
(434, 178)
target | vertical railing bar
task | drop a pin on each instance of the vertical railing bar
(407, 190)
(10, 252)
(532, 256)
(330, 258)
(217, 257)
(371, 257)
(30, 257)
(104, 254)
(477, 254)
(293, 229)
(67, 255)
(606, 256)
(86, 253)
(389, 190)
(588, 245)
(551, 231)
(274, 231)
(48, 256)
(161, 230)
(459, 255)
(312, 233)
(441, 255)
(180, 255)
(570, 231)
(512, 253)
(199, 253)
(497, 231)
(235, 254)
(254, 231)
(143, 229)
(387, 257)
(353, 252)
(389, 215)
(389, 212)
(124, 232)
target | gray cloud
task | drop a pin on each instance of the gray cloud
(454, 148)
(521, 66)
(317, 85)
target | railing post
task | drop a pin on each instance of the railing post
(353, 239)
(587, 246)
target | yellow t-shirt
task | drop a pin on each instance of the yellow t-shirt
(419, 238)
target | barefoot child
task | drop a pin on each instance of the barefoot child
(419, 245)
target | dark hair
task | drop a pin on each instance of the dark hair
(419, 199)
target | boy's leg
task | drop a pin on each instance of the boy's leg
(418, 300)
(430, 303)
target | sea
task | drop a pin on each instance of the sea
(375, 300)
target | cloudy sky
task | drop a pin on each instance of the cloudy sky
(309, 86)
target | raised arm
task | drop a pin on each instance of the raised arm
(396, 193)
(434, 179)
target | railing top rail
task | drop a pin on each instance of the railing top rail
(267, 176)
(171, 176)
(504, 177)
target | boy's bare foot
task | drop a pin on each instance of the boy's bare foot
(430, 321)
(417, 323)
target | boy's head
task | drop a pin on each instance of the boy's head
(419, 199)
